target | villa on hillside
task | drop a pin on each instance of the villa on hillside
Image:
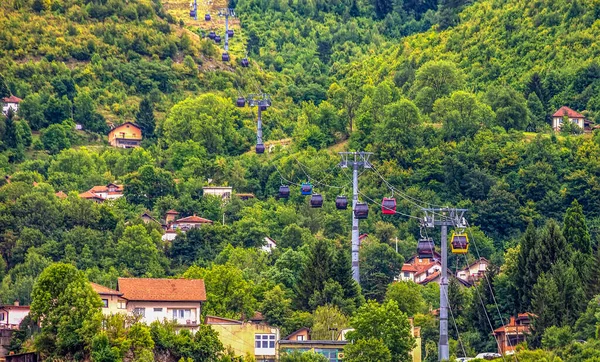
(573, 116)
(174, 226)
(11, 102)
(127, 135)
(102, 193)
(515, 332)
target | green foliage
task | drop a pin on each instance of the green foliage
(144, 118)
(137, 252)
(325, 319)
(408, 297)
(302, 357)
(367, 350)
(56, 138)
(68, 306)
(385, 321)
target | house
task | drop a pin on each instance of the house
(11, 102)
(178, 300)
(147, 218)
(407, 273)
(108, 192)
(300, 341)
(61, 195)
(515, 332)
(170, 216)
(246, 338)
(170, 235)
(91, 196)
(112, 300)
(574, 117)
(269, 245)
(11, 316)
(127, 135)
(223, 192)
(474, 271)
(425, 272)
(190, 222)
(245, 196)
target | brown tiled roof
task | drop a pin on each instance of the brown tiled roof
(424, 268)
(564, 110)
(194, 219)
(105, 188)
(409, 268)
(100, 289)
(173, 290)
(11, 99)
(90, 195)
(430, 278)
(61, 195)
(172, 212)
(11, 306)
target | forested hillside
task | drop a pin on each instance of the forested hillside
(454, 99)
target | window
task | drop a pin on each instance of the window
(300, 338)
(139, 312)
(182, 313)
(105, 303)
(1, 316)
(406, 274)
(122, 304)
(264, 341)
(158, 309)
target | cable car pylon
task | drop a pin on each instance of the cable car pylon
(263, 102)
(227, 13)
(359, 210)
(444, 217)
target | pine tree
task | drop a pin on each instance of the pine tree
(10, 131)
(144, 118)
(575, 229)
(551, 247)
(536, 108)
(544, 302)
(316, 272)
(4, 91)
(342, 273)
(526, 275)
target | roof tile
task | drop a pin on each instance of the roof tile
(172, 290)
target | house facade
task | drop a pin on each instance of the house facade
(515, 332)
(474, 272)
(102, 193)
(269, 245)
(11, 102)
(177, 300)
(223, 192)
(573, 116)
(127, 135)
(247, 338)
(11, 316)
(190, 222)
(407, 273)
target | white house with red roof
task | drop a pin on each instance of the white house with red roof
(10, 102)
(474, 271)
(190, 222)
(178, 300)
(407, 273)
(102, 193)
(573, 116)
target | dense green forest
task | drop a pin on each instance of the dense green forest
(452, 97)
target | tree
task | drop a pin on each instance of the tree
(328, 318)
(68, 309)
(144, 118)
(510, 107)
(316, 271)
(86, 115)
(536, 109)
(575, 229)
(302, 357)
(385, 321)
(275, 307)
(137, 252)
(367, 350)
(462, 115)
(4, 91)
(400, 132)
(408, 296)
(380, 264)
(55, 138)
(434, 80)
(148, 184)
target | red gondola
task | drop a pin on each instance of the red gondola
(388, 206)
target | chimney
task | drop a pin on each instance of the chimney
(16, 303)
(512, 321)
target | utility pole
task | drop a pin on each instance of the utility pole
(447, 217)
(227, 12)
(195, 9)
(356, 160)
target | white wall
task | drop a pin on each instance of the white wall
(167, 310)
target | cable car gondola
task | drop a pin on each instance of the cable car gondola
(207, 17)
(241, 102)
(245, 63)
(192, 13)
(316, 201)
(260, 148)
(230, 33)
(341, 202)
(212, 35)
(425, 248)
(361, 210)
(284, 191)
(388, 206)
(306, 189)
(459, 243)
(217, 39)
(225, 57)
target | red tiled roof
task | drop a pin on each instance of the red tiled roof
(12, 306)
(409, 268)
(173, 290)
(105, 188)
(430, 278)
(61, 195)
(172, 212)
(564, 110)
(211, 319)
(90, 195)
(194, 219)
(100, 289)
(12, 99)
(425, 268)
